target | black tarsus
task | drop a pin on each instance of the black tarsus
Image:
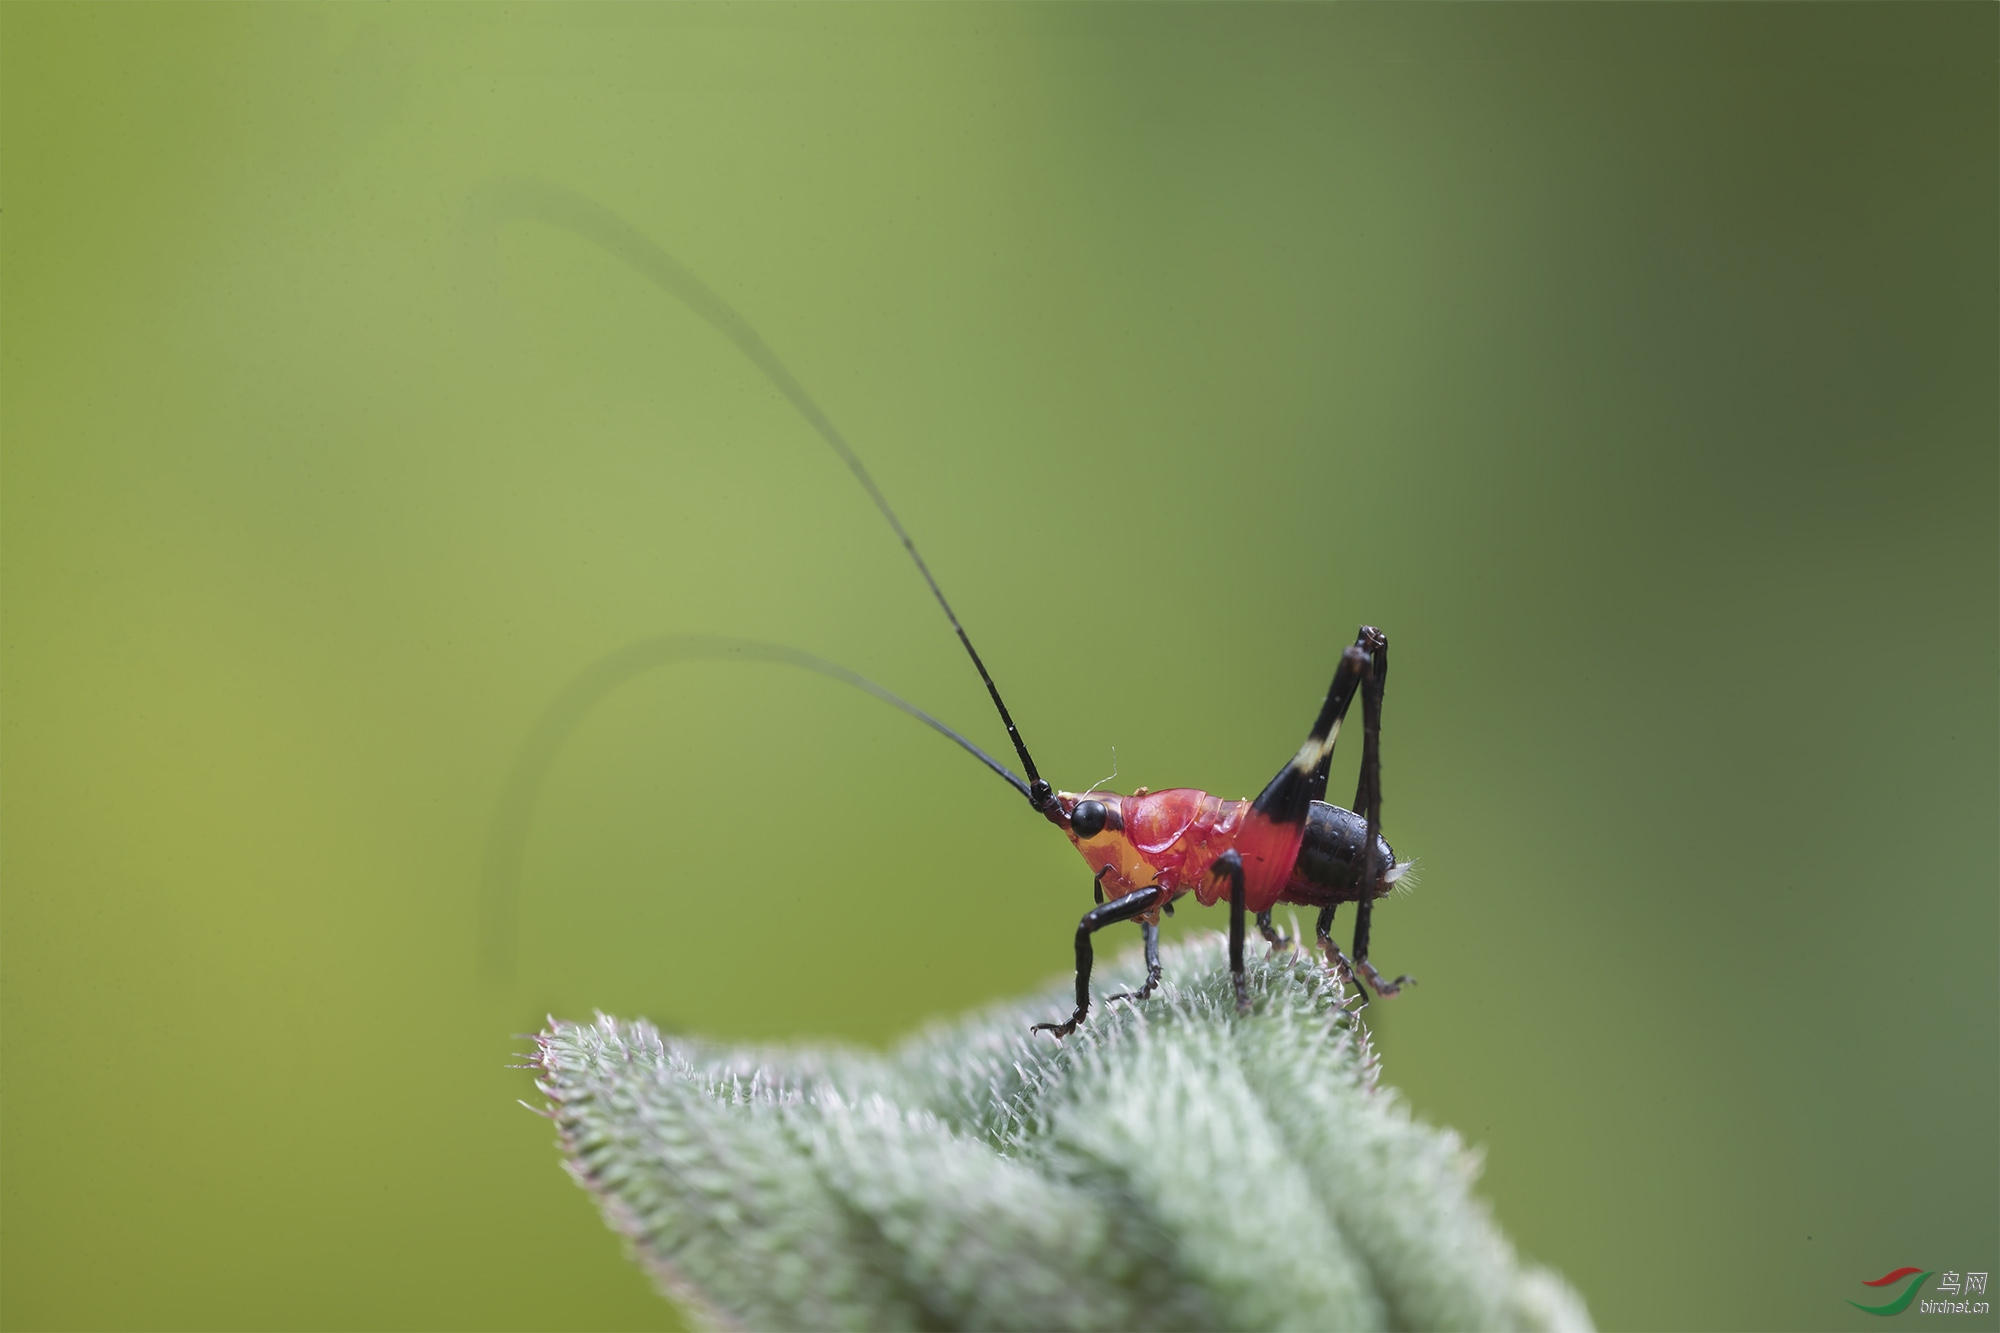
(593, 222)
(1096, 919)
(1151, 931)
(1272, 935)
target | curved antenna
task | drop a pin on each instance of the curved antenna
(507, 840)
(557, 207)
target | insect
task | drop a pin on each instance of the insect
(1145, 850)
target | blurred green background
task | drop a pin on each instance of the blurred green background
(1634, 367)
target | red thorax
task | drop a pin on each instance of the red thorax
(1173, 838)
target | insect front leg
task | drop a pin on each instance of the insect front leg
(1152, 933)
(1096, 919)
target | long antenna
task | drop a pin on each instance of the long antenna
(558, 207)
(513, 817)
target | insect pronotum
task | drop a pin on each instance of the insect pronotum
(1145, 850)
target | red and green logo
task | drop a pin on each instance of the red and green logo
(1902, 1302)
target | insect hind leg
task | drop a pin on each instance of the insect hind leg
(1368, 803)
(1367, 969)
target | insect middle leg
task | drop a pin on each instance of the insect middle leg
(1096, 919)
(1229, 866)
(1274, 937)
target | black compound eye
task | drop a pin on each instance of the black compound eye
(1087, 820)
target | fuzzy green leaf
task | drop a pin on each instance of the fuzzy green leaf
(1171, 1165)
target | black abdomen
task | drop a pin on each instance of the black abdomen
(1328, 863)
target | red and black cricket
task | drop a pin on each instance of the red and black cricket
(1148, 849)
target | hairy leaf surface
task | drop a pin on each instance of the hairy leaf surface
(1171, 1165)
